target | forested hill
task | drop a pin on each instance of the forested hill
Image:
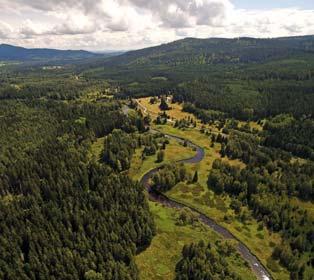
(265, 77)
(217, 50)
(8, 52)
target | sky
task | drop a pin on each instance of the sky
(102, 25)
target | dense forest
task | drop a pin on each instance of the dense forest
(290, 134)
(64, 216)
(270, 179)
(206, 261)
(245, 78)
(168, 176)
(68, 214)
(217, 50)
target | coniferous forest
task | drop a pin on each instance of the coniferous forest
(225, 126)
(64, 215)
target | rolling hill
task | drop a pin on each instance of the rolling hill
(9, 52)
(217, 50)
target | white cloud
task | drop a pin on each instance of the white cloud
(130, 24)
(183, 13)
(5, 30)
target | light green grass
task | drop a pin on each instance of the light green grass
(217, 207)
(159, 79)
(174, 151)
(158, 261)
(175, 112)
(260, 242)
(305, 205)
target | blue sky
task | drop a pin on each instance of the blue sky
(272, 4)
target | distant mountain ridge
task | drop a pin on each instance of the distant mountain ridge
(9, 52)
(216, 50)
(186, 51)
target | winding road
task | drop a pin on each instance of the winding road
(257, 267)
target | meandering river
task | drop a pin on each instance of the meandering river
(257, 267)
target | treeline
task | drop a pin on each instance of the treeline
(297, 178)
(267, 184)
(207, 94)
(185, 123)
(26, 124)
(290, 97)
(120, 146)
(52, 87)
(246, 100)
(168, 176)
(118, 150)
(292, 135)
(205, 115)
(45, 233)
(62, 216)
(272, 207)
(206, 261)
(193, 51)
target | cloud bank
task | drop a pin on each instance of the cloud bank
(131, 24)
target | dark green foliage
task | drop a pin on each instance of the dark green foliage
(266, 185)
(160, 156)
(152, 143)
(163, 104)
(153, 100)
(168, 176)
(245, 101)
(118, 150)
(62, 216)
(162, 118)
(53, 87)
(205, 261)
(205, 115)
(191, 51)
(150, 150)
(185, 123)
(187, 217)
(195, 177)
(205, 94)
(8, 52)
(292, 135)
(101, 237)
(245, 78)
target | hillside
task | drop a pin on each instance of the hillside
(265, 77)
(8, 52)
(217, 50)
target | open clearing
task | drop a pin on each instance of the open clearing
(260, 241)
(158, 261)
(174, 113)
(174, 151)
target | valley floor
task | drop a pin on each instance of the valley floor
(166, 246)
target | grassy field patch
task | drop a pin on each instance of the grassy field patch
(174, 113)
(174, 151)
(158, 261)
(217, 207)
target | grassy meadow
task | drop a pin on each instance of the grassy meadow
(158, 261)
(260, 240)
